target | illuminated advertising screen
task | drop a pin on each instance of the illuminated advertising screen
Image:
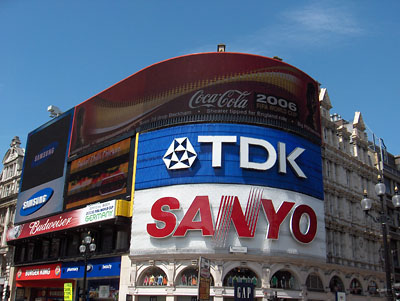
(228, 153)
(99, 175)
(208, 87)
(43, 176)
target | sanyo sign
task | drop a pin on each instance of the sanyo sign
(208, 217)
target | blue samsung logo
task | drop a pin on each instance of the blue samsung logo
(36, 201)
(44, 154)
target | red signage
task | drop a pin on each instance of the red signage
(223, 87)
(39, 272)
(90, 214)
(230, 211)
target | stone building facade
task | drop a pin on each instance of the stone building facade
(354, 242)
(9, 187)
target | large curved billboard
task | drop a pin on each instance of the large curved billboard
(228, 153)
(209, 87)
(220, 188)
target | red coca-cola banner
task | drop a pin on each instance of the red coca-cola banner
(208, 87)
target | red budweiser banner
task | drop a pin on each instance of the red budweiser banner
(90, 214)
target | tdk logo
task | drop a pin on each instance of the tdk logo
(181, 154)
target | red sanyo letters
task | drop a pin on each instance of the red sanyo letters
(230, 211)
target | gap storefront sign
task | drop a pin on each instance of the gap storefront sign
(194, 182)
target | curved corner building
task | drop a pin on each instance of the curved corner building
(228, 172)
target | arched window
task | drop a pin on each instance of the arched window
(336, 284)
(153, 276)
(285, 280)
(373, 288)
(314, 283)
(241, 275)
(355, 287)
(189, 277)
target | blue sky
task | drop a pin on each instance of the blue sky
(64, 52)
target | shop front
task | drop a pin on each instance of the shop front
(103, 276)
(47, 282)
(40, 283)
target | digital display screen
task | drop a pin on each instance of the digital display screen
(46, 150)
(99, 175)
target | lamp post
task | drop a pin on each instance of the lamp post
(85, 248)
(366, 205)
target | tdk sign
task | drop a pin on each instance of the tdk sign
(36, 201)
(181, 155)
(229, 154)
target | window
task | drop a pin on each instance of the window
(153, 276)
(373, 288)
(314, 283)
(241, 275)
(336, 284)
(284, 279)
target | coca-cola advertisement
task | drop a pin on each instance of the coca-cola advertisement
(208, 87)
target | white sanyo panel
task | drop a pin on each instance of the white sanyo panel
(215, 208)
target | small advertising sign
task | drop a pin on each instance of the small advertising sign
(67, 291)
(204, 279)
(244, 291)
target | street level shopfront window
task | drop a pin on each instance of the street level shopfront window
(314, 283)
(373, 288)
(336, 285)
(241, 275)
(153, 276)
(104, 289)
(284, 280)
(355, 287)
(189, 277)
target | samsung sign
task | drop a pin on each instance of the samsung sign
(229, 153)
(36, 201)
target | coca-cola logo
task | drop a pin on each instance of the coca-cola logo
(229, 99)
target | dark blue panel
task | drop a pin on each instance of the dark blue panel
(152, 171)
(104, 267)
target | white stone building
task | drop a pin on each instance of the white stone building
(9, 187)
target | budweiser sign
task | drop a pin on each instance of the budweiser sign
(90, 214)
(229, 99)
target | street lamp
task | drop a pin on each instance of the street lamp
(85, 248)
(366, 205)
